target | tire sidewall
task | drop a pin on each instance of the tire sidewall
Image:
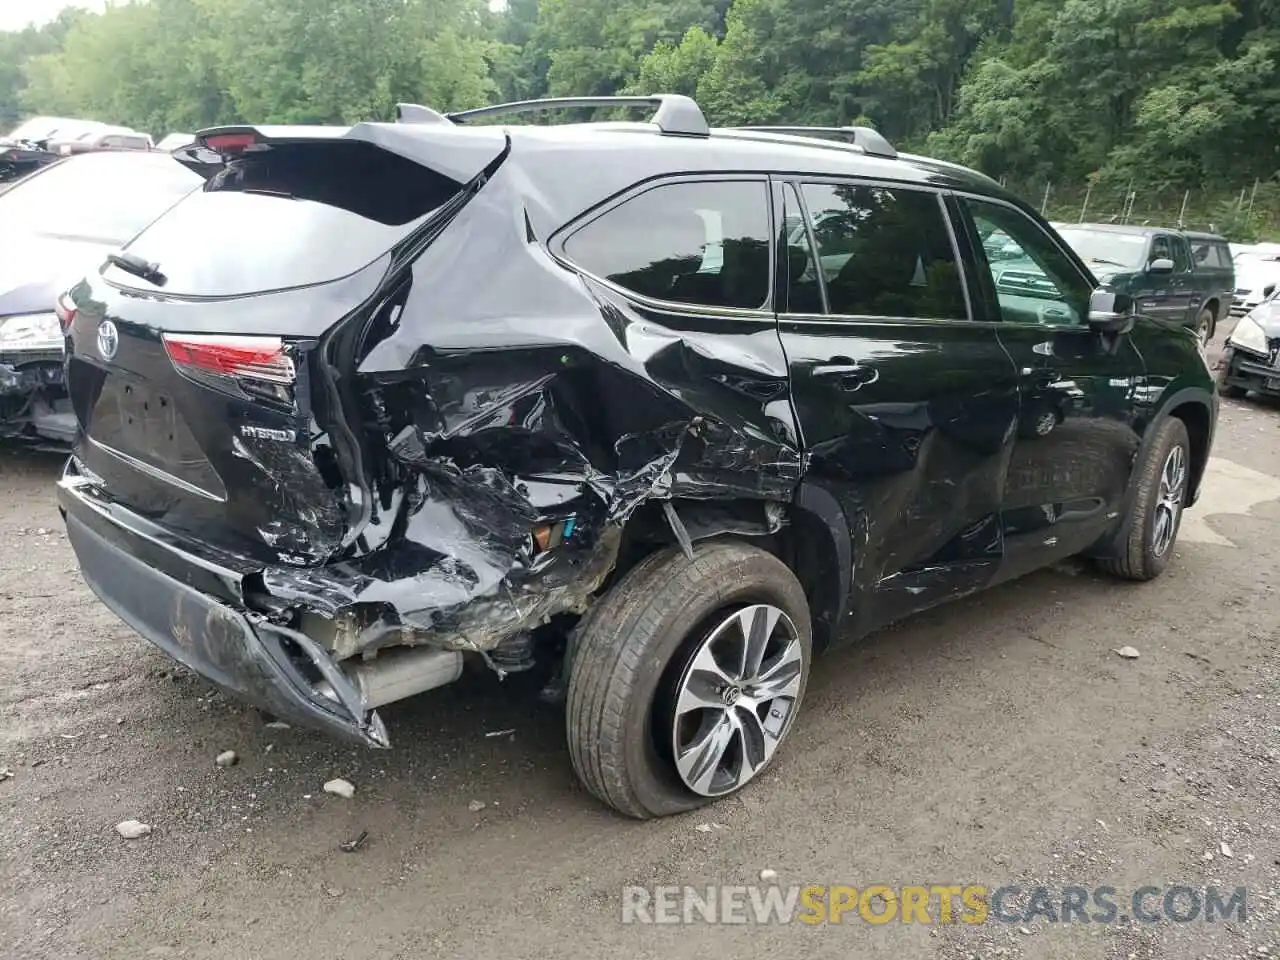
(652, 776)
(1173, 434)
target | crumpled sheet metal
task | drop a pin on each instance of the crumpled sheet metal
(527, 396)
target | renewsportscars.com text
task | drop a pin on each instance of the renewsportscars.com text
(817, 904)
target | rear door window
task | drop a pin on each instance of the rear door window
(294, 215)
(1211, 253)
(885, 252)
(703, 243)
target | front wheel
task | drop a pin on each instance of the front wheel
(1206, 325)
(1155, 512)
(686, 678)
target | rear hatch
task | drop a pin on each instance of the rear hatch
(201, 365)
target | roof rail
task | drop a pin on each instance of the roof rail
(676, 114)
(869, 140)
(416, 113)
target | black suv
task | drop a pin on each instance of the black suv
(660, 409)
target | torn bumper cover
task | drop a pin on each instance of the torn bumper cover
(183, 603)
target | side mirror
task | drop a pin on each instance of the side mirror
(1160, 265)
(1268, 290)
(1110, 312)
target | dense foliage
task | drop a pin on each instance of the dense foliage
(1174, 93)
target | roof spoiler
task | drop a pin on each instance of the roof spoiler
(455, 153)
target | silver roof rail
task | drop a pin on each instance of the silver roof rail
(416, 113)
(675, 114)
(871, 142)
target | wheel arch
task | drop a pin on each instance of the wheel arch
(1196, 413)
(810, 535)
(1196, 408)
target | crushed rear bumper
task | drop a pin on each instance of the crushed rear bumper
(184, 603)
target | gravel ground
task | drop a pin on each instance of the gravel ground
(999, 740)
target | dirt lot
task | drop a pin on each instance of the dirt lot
(997, 741)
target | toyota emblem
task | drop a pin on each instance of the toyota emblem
(108, 339)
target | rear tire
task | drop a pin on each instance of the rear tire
(1161, 484)
(638, 654)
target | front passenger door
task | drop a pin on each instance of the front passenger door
(1076, 434)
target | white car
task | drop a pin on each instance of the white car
(1257, 274)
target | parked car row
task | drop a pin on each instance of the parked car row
(661, 410)
(40, 141)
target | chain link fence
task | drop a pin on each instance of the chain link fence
(1247, 214)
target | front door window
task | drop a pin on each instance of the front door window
(1034, 281)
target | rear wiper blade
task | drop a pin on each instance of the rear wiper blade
(134, 264)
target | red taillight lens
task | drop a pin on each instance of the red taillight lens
(66, 311)
(254, 358)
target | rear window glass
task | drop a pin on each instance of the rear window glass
(295, 215)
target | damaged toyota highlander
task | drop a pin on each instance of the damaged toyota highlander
(661, 409)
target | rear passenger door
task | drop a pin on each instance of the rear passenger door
(905, 401)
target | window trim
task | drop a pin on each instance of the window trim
(797, 182)
(1180, 242)
(767, 312)
(782, 185)
(990, 295)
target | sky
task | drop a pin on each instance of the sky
(16, 14)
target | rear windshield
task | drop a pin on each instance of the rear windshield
(291, 216)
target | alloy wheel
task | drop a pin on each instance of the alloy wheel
(736, 699)
(1173, 484)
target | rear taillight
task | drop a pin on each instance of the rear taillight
(66, 312)
(260, 366)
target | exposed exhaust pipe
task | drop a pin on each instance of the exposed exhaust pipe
(398, 673)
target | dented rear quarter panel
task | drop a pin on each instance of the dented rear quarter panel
(513, 391)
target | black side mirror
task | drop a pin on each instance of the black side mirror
(1268, 290)
(1111, 312)
(1160, 265)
